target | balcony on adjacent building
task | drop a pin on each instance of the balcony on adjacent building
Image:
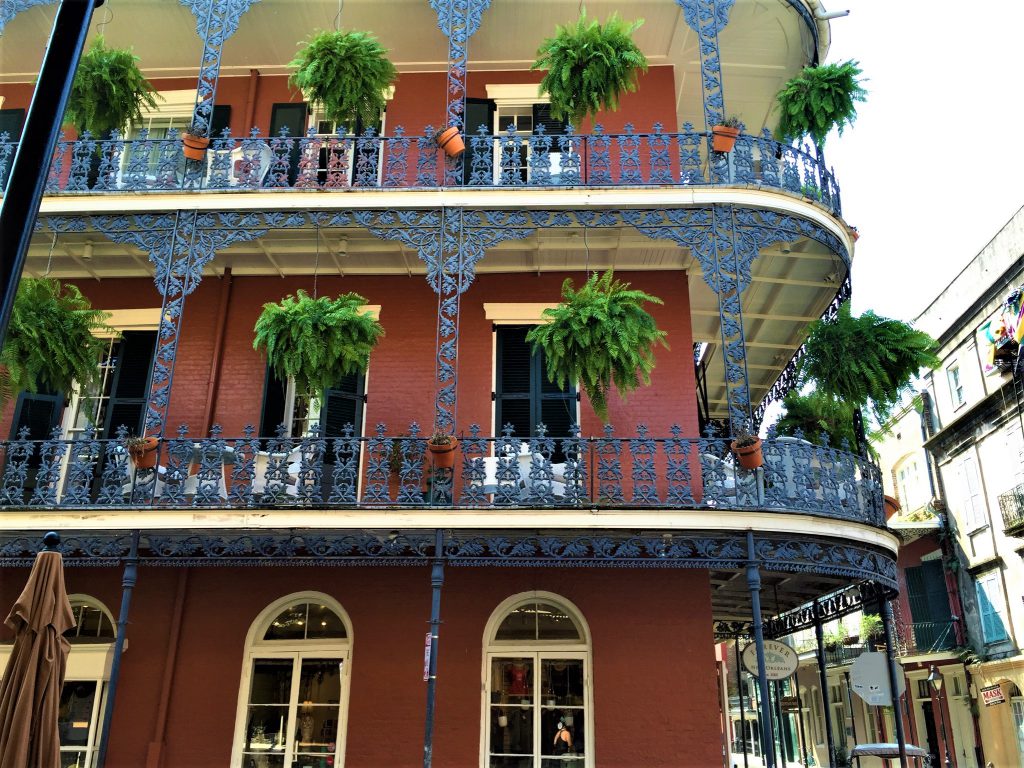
(922, 637)
(382, 471)
(1011, 504)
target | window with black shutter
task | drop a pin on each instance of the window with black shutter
(129, 388)
(337, 408)
(929, 605)
(524, 397)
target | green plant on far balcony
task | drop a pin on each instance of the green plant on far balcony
(52, 341)
(347, 74)
(599, 337)
(870, 627)
(588, 66)
(835, 637)
(819, 99)
(108, 92)
(317, 342)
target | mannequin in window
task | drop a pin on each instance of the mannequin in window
(563, 740)
(518, 675)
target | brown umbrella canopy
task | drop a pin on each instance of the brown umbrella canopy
(31, 686)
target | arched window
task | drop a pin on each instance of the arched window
(93, 622)
(294, 695)
(537, 670)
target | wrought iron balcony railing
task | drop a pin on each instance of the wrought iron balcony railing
(1011, 504)
(926, 637)
(340, 162)
(380, 471)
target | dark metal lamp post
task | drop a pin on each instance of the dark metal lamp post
(935, 680)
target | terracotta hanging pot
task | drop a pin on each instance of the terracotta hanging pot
(193, 146)
(443, 456)
(748, 454)
(723, 138)
(143, 453)
(450, 141)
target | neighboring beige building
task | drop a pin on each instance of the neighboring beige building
(974, 419)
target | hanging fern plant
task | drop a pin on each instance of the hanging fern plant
(317, 341)
(598, 337)
(50, 342)
(109, 91)
(866, 360)
(817, 416)
(347, 74)
(589, 65)
(818, 100)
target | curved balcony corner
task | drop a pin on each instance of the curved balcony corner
(382, 472)
(341, 162)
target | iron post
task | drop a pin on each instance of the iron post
(754, 584)
(800, 719)
(849, 700)
(739, 688)
(890, 659)
(823, 674)
(436, 582)
(31, 166)
(131, 566)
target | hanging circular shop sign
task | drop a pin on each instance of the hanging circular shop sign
(780, 661)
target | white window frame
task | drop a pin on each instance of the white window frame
(956, 386)
(990, 585)
(258, 648)
(516, 98)
(538, 650)
(1017, 710)
(972, 495)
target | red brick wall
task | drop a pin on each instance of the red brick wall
(654, 701)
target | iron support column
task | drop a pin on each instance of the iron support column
(740, 689)
(823, 674)
(131, 566)
(890, 663)
(804, 754)
(754, 584)
(436, 582)
(27, 180)
(849, 700)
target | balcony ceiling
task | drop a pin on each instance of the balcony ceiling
(764, 44)
(792, 283)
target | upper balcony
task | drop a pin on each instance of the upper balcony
(1011, 504)
(655, 139)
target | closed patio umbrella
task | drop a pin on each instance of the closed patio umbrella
(31, 686)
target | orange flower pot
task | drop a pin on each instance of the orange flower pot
(451, 142)
(194, 147)
(723, 138)
(749, 456)
(144, 456)
(443, 456)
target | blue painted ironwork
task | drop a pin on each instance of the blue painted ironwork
(216, 21)
(652, 159)
(436, 583)
(708, 18)
(458, 20)
(637, 471)
(767, 724)
(11, 8)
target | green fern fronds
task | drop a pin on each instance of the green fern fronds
(50, 342)
(317, 341)
(347, 73)
(598, 337)
(588, 66)
(109, 91)
(820, 99)
(866, 360)
(817, 415)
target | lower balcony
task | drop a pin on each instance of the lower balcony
(383, 471)
(1011, 504)
(923, 637)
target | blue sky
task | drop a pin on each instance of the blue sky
(944, 79)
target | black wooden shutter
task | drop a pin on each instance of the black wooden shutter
(221, 119)
(929, 605)
(130, 387)
(525, 397)
(40, 412)
(343, 405)
(272, 412)
(542, 116)
(11, 123)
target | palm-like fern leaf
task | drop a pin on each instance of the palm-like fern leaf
(347, 73)
(588, 66)
(819, 99)
(599, 337)
(50, 343)
(109, 91)
(317, 341)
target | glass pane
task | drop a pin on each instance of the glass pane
(561, 682)
(265, 729)
(271, 681)
(511, 730)
(75, 714)
(520, 624)
(312, 761)
(320, 681)
(260, 760)
(324, 623)
(512, 681)
(555, 624)
(564, 744)
(290, 624)
(74, 759)
(502, 761)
